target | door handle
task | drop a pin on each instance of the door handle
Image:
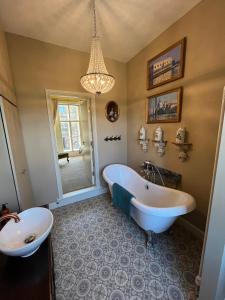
(23, 171)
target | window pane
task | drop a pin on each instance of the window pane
(63, 112)
(74, 114)
(75, 128)
(65, 130)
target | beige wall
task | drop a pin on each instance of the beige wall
(204, 27)
(36, 66)
(6, 82)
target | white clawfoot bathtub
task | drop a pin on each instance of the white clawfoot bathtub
(154, 208)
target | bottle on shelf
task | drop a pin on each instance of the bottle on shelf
(158, 134)
(180, 136)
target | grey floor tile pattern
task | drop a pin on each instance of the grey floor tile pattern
(100, 253)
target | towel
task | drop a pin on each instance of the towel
(121, 198)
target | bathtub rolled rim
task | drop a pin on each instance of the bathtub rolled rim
(165, 211)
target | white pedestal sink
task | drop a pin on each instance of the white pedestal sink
(25, 237)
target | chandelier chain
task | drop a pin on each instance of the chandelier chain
(94, 19)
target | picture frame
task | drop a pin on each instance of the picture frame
(167, 66)
(164, 107)
(112, 111)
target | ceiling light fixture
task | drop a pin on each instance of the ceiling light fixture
(97, 80)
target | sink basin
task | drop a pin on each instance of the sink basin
(25, 237)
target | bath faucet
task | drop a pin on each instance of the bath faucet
(10, 216)
(150, 165)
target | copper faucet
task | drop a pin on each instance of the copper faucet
(10, 216)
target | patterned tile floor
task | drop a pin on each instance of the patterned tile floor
(100, 253)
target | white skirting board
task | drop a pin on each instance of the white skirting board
(192, 228)
(78, 196)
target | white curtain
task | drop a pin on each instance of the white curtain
(55, 109)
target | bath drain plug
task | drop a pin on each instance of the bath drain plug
(30, 239)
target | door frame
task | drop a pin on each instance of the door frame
(91, 99)
(90, 128)
(9, 149)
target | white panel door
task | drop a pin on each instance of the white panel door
(7, 186)
(17, 153)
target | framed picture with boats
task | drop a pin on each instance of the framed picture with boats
(167, 66)
(164, 107)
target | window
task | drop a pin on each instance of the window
(70, 126)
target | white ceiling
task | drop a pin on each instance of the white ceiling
(126, 26)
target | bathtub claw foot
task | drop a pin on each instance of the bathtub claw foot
(149, 244)
(150, 239)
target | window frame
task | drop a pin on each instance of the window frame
(69, 121)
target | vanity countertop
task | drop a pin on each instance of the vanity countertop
(29, 278)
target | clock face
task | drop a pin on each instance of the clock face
(112, 111)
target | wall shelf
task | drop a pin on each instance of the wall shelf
(159, 142)
(144, 144)
(182, 144)
(161, 146)
(183, 150)
(144, 140)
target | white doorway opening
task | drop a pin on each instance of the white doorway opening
(72, 123)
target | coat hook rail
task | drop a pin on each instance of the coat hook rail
(113, 138)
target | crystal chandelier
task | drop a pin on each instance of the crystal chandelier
(97, 79)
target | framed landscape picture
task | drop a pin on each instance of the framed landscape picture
(164, 107)
(167, 66)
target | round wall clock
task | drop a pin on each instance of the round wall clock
(112, 111)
